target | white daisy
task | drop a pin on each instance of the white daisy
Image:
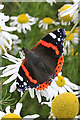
(15, 47)
(67, 48)
(23, 22)
(1, 6)
(64, 85)
(51, 1)
(74, 38)
(69, 13)
(4, 17)
(6, 39)
(47, 21)
(16, 113)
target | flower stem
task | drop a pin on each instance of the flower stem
(72, 29)
(17, 3)
(23, 97)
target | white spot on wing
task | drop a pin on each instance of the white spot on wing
(52, 35)
(59, 39)
(58, 30)
(25, 83)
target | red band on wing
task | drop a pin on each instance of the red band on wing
(48, 45)
(27, 74)
(59, 65)
(43, 85)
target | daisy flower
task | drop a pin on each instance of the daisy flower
(1, 6)
(6, 39)
(12, 71)
(47, 21)
(73, 37)
(23, 22)
(16, 113)
(64, 85)
(68, 13)
(51, 1)
(65, 105)
(68, 47)
(3, 17)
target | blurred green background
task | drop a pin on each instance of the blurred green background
(71, 63)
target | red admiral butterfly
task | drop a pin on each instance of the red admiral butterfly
(42, 63)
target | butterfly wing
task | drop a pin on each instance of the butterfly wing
(42, 63)
(50, 49)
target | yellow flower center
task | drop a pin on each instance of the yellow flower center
(22, 18)
(47, 20)
(0, 29)
(61, 81)
(65, 105)
(66, 17)
(11, 115)
(70, 37)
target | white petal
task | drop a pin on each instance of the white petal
(47, 103)
(76, 93)
(52, 92)
(13, 23)
(13, 87)
(18, 108)
(24, 29)
(64, 89)
(61, 90)
(2, 114)
(28, 27)
(31, 91)
(54, 85)
(31, 117)
(77, 117)
(1, 6)
(11, 58)
(68, 88)
(1, 68)
(13, 77)
(13, 71)
(7, 109)
(19, 27)
(44, 93)
(10, 67)
(6, 28)
(46, 26)
(21, 93)
(13, 18)
(40, 24)
(38, 95)
(72, 85)
(7, 36)
(78, 96)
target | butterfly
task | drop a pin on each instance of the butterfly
(42, 63)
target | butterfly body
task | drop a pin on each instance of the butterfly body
(42, 63)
